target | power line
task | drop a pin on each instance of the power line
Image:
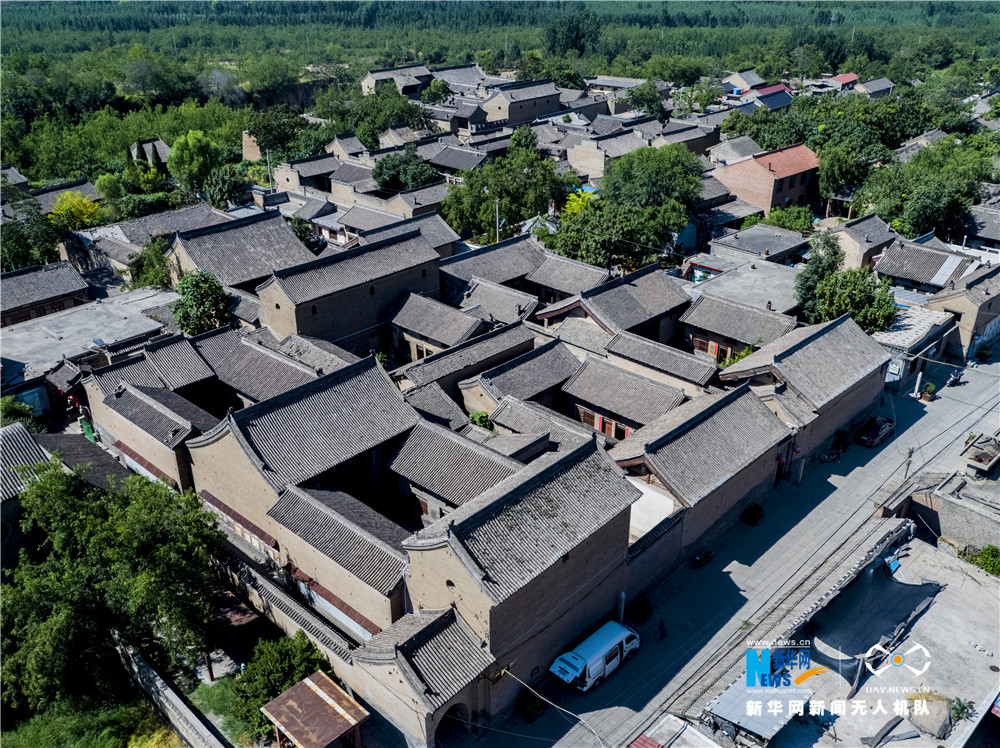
(504, 732)
(583, 722)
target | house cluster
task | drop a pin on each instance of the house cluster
(363, 505)
(412, 442)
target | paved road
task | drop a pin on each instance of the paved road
(753, 568)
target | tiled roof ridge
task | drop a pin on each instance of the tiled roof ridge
(508, 402)
(310, 159)
(475, 279)
(620, 280)
(930, 248)
(625, 335)
(487, 248)
(486, 378)
(710, 408)
(462, 346)
(56, 187)
(130, 360)
(235, 223)
(336, 257)
(820, 330)
(46, 267)
(152, 402)
(742, 305)
(472, 444)
(276, 355)
(304, 494)
(598, 362)
(514, 85)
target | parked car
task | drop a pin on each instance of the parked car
(597, 656)
(876, 431)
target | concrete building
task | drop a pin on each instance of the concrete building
(33, 292)
(762, 242)
(775, 179)
(916, 335)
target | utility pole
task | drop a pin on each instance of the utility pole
(909, 457)
(498, 218)
(269, 187)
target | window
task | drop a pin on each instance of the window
(699, 345)
(620, 431)
(423, 273)
(587, 417)
(611, 656)
(56, 306)
(629, 639)
(371, 290)
(791, 181)
(779, 185)
(314, 309)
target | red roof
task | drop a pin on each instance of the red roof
(846, 78)
(784, 162)
(776, 87)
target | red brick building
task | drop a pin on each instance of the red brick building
(773, 179)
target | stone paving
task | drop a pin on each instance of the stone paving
(753, 569)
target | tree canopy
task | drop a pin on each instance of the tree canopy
(794, 218)
(654, 176)
(404, 171)
(857, 292)
(133, 561)
(826, 258)
(203, 304)
(192, 157)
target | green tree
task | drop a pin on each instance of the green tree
(150, 267)
(14, 411)
(275, 128)
(647, 98)
(482, 419)
(275, 667)
(826, 258)
(654, 176)
(612, 235)
(372, 115)
(110, 186)
(73, 210)
(192, 157)
(269, 74)
(203, 304)
(29, 239)
(404, 171)
(857, 292)
(794, 218)
(225, 183)
(436, 92)
(522, 181)
(134, 562)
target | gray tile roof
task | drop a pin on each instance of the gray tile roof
(245, 249)
(984, 222)
(314, 516)
(434, 651)
(353, 267)
(215, 345)
(349, 142)
(147, 145)
(136, 371)
(313, 208)
(245, 306)
(620, 392)
(260, 373)
(819, 362)
(923, 265)
(17, 449)
(878, 84)
(468, 354)
(356, 174)
(705, 442)
(582, 333)
(315, 166)
(740, 322)
(37, 284)
(321, 424)
(319, 355)
(728, 212)
(761, 240)
(501, 262)
(497, 303)
(430, 225)
(16, 178)
(566, 275)
(77, 452)
(522, 526)
(521, 447)
(531, 374)
(164, 415)
(734, 149)
(47, 196)
(605, 124)
(457, 159)
(662, 358)
(364, 219)
(979, 287)
(136, 233)
(177, 362)
(868, 230)
(448, 465)
(434, 405)
(432, 194)
(748, 76)
(618, 144)
(433, 320)
(531, 90)
(636, 298)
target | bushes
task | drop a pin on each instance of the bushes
(987, 559)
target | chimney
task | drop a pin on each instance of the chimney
(769, 306)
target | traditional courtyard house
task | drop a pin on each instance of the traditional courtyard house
(764, 243)
(875, 88)
(774, 179)
(863, 239)
(704, 462)
(43, 289)
(923, 268)
(422, 326)
(535, 375)
(431, 226)
(723, 328)
(515, 416)
(410, 80)
(508, 263)
(820, 379)
(742, 81)
(593, 156)
(238, 253)
(647, 302)
(974, 300)
(516, 103)
(496, 304)
(661, 363)
(756, 284)
(582, 336)
(467, 360)
(143, 150)
(344, 296)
